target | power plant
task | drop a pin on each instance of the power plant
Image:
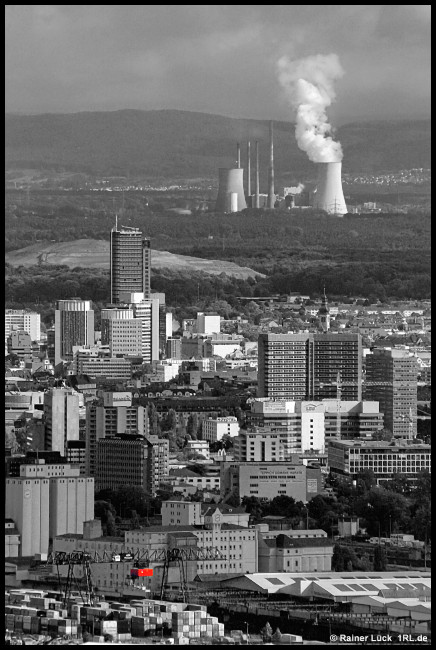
(231, 197)
(329, 195)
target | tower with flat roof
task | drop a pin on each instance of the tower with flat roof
(130, 262)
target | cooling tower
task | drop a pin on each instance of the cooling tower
(231, 181)
(329, 195)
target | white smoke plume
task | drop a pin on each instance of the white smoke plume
(294, 190)
(309, 86)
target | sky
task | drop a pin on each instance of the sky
(218, 59)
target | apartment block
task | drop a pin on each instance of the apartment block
(306, 366)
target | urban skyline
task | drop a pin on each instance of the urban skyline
(228, 441)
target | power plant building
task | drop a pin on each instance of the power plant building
(329, 195)
(231, 197)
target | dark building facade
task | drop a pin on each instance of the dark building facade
(306, 366)
(130, 262)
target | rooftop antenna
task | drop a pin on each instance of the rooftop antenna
(249, 169)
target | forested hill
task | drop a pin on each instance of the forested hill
(181, 144)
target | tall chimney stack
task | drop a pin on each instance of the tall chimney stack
(256, 204)
(248, 169)
(238, 155)
(271, 196)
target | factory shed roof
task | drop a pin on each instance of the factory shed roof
(340, 587)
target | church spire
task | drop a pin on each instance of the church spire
(324, 314)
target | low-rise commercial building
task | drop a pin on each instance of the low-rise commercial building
(385, 459)
(266, 480)
(213, 429)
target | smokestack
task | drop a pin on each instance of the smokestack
(256, 204)
(238, 155)
(231, 182)
(329, 195)
(248, 168)
(271, 196)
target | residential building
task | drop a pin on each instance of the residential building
(23, 319)
(391, 379)
(208, 323)
(181, 513)
(130, 262)
(115, 416)
(76, 454)
(294, 554)
(174, 348)
(19, 343)
(46, 501)
(121, 332)
(213, 429)
(385, 459)
(61, 417)
(74, 326)
(266, 480)
(133, 460)
(306, 366)
(12, 539)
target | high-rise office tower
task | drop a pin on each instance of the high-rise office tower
(130, 262)
(391, 379)
(306, 366)
(125, 459)
(74, 325)
(115, 416)
(61, 416)
(121, 331)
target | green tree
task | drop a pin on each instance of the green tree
(380, 560)
(266, 632)
(276, 636)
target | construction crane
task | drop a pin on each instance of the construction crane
(140, 561)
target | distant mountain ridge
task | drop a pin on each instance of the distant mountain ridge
(186, 145)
